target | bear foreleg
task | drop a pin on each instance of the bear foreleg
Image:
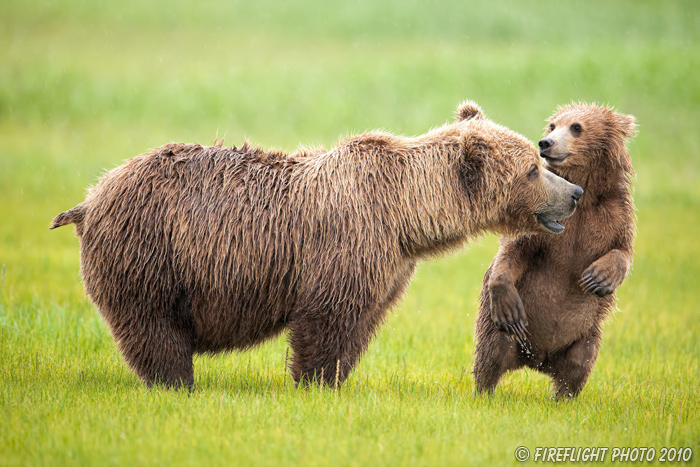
(605, 274)
(327, 347)
(506, 308)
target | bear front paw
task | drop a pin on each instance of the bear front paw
(598, 281)
(508, 312)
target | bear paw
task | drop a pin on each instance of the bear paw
(599, 280)
(508, 313)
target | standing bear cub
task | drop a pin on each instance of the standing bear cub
(190, 249)
(551, 294)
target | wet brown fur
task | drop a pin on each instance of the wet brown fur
(190, 249)
(563, 287)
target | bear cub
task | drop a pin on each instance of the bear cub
(544, 297)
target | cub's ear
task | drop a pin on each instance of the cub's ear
(628, 124)
(468, 110)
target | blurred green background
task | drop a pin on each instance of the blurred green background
(86, 85)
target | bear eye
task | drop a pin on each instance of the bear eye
(534, 171)
(551, 126)
(576, 128)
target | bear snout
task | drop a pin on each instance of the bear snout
(545, 144)
(578, 192)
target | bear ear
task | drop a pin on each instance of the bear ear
(468, 110)
(628, 124)
(473, 163)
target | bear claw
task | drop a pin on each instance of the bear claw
(598, 284)
(518, 333)
(508, 313)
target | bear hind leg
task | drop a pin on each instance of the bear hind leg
(496, 353)
(570, 368)
(160, 356)
(158, 349)
(493, 359)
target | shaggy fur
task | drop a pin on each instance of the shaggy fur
(190, 249)
(562, 288)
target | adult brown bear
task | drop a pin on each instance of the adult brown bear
(551, 294)
(190, 249)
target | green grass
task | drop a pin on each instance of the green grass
(85, 85)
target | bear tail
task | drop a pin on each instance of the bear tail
(72, 216)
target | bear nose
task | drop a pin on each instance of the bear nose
(578, 191)
(545, 143)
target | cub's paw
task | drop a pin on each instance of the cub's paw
(601, 279)
(508, 313)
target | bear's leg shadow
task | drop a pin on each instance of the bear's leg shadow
(570, 368)
(158, 349)
(496, 353)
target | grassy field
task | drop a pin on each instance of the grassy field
(85, 85)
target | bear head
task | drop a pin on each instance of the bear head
(500, 168)
(583, 139)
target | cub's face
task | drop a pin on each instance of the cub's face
(586, 137)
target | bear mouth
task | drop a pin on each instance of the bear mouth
(550, 225)
(555, 161)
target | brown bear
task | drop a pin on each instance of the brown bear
(190, 249)
(550, 294)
